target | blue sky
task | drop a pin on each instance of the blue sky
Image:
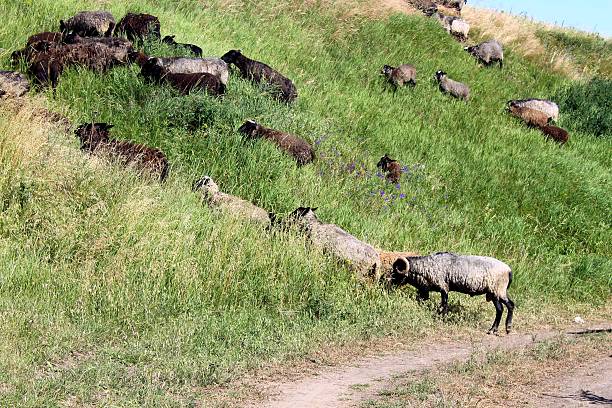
(589, 15)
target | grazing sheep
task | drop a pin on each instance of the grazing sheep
(139, 58)
(89, 24)
(488, 52)
(53, 37)
(13, 84)
(230, 203)
(555, 133)
(185, 83)
(531, 117)
(455, 26)
(45, 71)
(404, 74)
(194, 49)
(456, 89)
(182, 65)
(360, 256)
(139, 26)
(95, 139)
(391, 167)
(32, 51)
(469, 274)
(259, 72)
(548, 107)
(300, 149)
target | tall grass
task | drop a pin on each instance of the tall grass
(117, 290)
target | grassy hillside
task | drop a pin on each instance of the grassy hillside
(116, 290)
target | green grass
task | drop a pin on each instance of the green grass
(159, 296)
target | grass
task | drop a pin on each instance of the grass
(116, 290)
(515, 378)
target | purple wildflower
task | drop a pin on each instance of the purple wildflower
(402, 195)
(398, 186)
(382, 193)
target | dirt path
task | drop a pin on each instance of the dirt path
(584, 386)
(347, 386)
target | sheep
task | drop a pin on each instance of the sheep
(120, 47)
(455, 26)
(361, 258)
(48, 65)
(488, 52)
(95, 139)
(89, 24)
(399, 76)
(13, 84)
(456, 89)
(469, 274)
(555, 133)
(230, 203)
(33, 50)
(531, 117)
(548, 107)
(182, 65)
(300, 149)
(259, 72)
(53, 37)
(391, 167)
(194, 49)
(185, 83)
(139, 26)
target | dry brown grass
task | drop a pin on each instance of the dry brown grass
(520, 34)
(501, 378)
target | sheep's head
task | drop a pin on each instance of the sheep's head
(138, 57)
(304, 214)
(152, 69)
(384, 162)
(400, 269)
(439, 75)
(386, 70)
(62, 26)
(469, 49)
(205, 184)
(92, 134)
(169, 39)
(231, 56)
(249, 128)
(72, 38)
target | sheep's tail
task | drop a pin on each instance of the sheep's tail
(501, 64)
(509, 279)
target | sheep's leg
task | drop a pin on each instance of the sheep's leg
(510, 307)
(422, 295)
(443, 309)
(499, 309)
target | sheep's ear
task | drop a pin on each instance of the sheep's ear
(313, 209)
(401, 265)
(62, 25)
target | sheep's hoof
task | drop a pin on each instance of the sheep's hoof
(492, 331)
(508, 330)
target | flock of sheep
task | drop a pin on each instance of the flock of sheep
(93, 40)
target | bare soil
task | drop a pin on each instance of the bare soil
(351, 384)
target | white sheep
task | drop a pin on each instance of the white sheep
(469, 274)
(230, 203)
(550, 108)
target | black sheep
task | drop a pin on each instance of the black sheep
(139, 26)
(261, 73)
(194, 49)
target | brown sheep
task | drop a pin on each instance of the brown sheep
(53, 37)
(391, 167)
(300, 149)
(531, 117)
(95, 139)
(555, 133)
(400, 76)
(47, 66)
(139, 26)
